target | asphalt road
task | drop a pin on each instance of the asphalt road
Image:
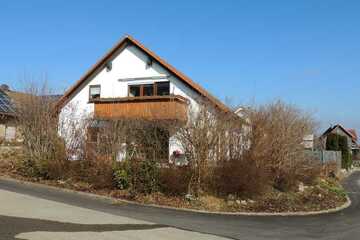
(28, 212)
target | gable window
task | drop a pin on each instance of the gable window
(154, 89)
(94, 92)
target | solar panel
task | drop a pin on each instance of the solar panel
(6, 106)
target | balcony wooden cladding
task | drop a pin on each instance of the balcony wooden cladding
(171, 107)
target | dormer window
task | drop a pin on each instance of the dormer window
(94, 92)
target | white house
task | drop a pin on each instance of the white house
(130, 81)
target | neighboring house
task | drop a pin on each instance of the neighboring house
(9, 100)
(349, 134)
(7, 118)
(355, 144)
(131, 82)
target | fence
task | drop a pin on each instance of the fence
(326, 157)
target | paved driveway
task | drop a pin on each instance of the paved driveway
(38, 213)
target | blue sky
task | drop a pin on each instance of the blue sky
(304, 52)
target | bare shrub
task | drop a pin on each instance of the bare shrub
(44, 152)
(174, 180)
(98, 173)
(330, 169)
(240, 177)
(210, 138)
(197, 139)
(277, 132)
(136, 138)
(230, 155)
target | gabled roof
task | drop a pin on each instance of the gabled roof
(121, 45)
(17, 98)
(7, 107)
(353, 133)
(330, 129)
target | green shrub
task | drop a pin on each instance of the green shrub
(332, 142)
(121, 179)
(137, 175)
(144, 176)
(333, 187)
(346, 159)
(336, 142)
(27, 168)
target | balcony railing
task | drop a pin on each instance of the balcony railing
(172, 107)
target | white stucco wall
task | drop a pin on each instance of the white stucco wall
(131, 62)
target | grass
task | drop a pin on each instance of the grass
(333, 187)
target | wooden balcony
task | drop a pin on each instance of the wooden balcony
(173, 107)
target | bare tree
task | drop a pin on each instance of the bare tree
(38, 125)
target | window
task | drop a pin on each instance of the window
(155, 89)
(94, 92)
(10, 133)
(134, 91)
(148, 90)
(163, 88)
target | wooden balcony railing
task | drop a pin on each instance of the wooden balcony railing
(173, 107)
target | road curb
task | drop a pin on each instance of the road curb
(119, 201)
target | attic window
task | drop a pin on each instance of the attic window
(94, 92)
(108, 66)
(149, 62)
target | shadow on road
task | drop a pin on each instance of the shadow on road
(12, 226)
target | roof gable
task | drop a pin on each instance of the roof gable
(330, 129)
(120, 46)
